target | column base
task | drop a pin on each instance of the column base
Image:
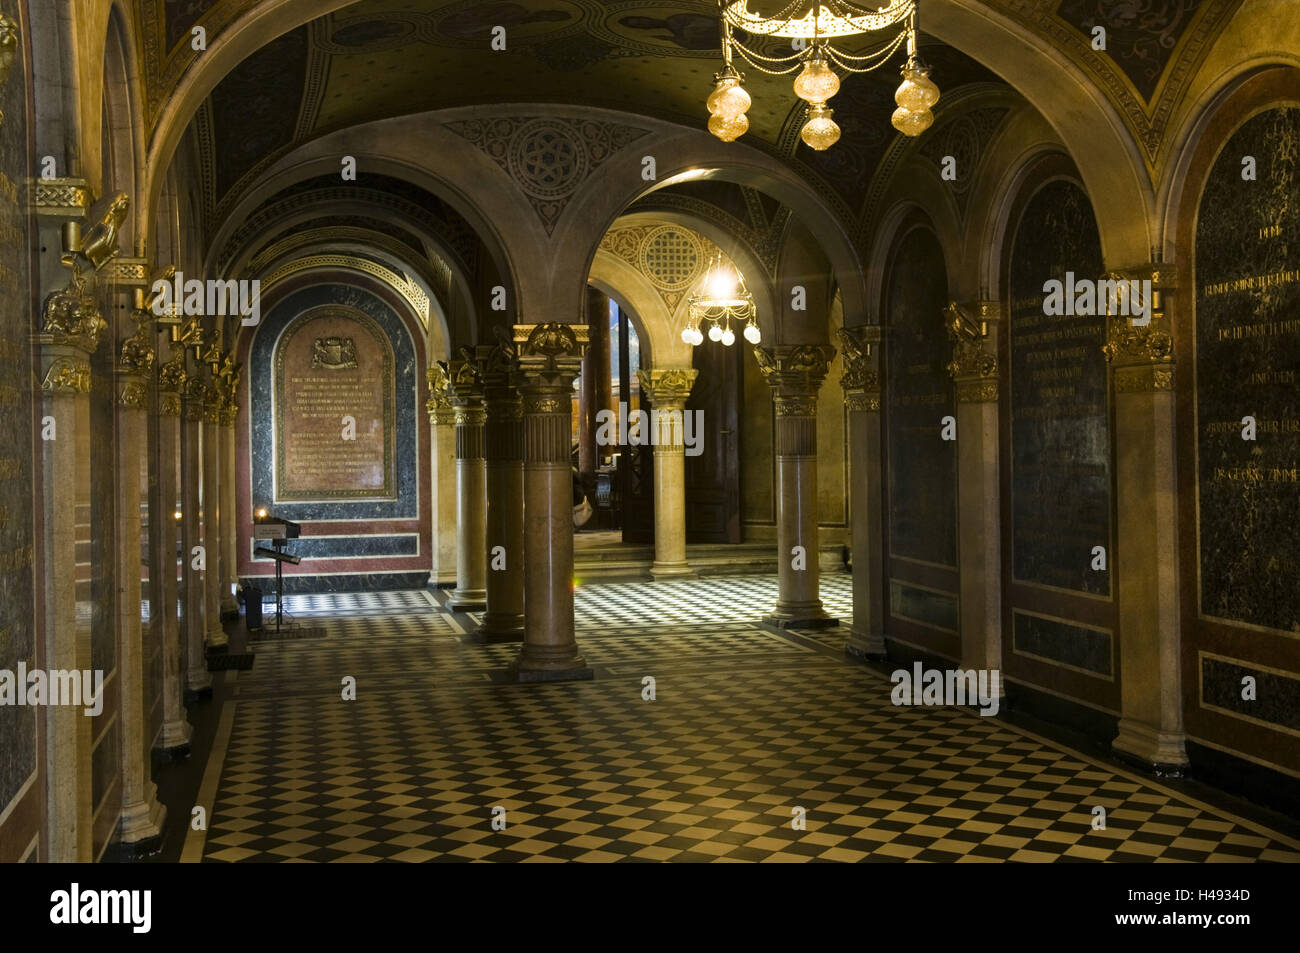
(199, 693)
(440, 580)
(548, 664)
(174, 741)
(229, 608)
(808, 615)
(467, 600)
(673, 570)
(865, 645)
(498, 628)
(142, 823)
(1163, 753)
(217, 640)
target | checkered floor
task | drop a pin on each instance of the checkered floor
(357, 603)
(693, 601)
(749, 730)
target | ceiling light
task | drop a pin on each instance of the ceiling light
(817, 23)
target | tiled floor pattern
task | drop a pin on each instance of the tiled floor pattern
(694, 601)
(747, 725)
(357, 603)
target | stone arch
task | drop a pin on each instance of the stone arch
(1108, 156)
(418, 151)
(121, 128)
(634, 293)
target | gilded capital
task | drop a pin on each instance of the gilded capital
(861, 348)
(438, 401)
(795, 369)
(974, 365)
(70, 316)
(667, 388)
(550, 355)
(136, 355)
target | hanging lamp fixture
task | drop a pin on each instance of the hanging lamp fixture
(811, 27)
(721, 299)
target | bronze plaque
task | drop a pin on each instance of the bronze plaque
(334, 408)
(1060, 435)
(1248, 366)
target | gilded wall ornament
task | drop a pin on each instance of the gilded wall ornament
(67, 376)
(792, 369)
(667, 388)
(71, 316)
(137, 353)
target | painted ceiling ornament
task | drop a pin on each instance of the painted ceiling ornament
(548, 157)
(812, 27)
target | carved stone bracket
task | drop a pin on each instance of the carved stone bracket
(668, 388)
(974, 365)
(861, 347)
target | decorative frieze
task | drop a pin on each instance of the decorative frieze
(62, 198)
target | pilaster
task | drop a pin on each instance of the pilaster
(973, 330)
(442, 426)
(863, 350)
(1145, 561)
(466, 393)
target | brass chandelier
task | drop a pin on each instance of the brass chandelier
(816, 24)
(722, 298)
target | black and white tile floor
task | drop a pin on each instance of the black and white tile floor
(747, 726)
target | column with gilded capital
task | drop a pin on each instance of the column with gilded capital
(142, 815)
(795, 373)
(466, 393)
(973, 330)
(863, 349)
(504, 619)
(227, 414)
(213, 634)
(1145, 561)
(198, 681)
(442, 427)
(71, 328)
(165, 542)
(550, 359)
(667, 389)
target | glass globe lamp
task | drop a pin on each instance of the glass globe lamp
(728, 337)
(752, 334)
(820, 131)
(728, 130)
(818, 82)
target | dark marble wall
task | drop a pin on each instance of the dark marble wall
(918, 394)
(17, 432)
(1060, 435)
(384, 533)
(1248, 364)
(1062, 642)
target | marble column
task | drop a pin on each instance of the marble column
(466, 392)
(667, 390)
(442, 432)
(863, 350)
(141, 819)
(1145, 561)
(974, 370)
(550, 357)
(504, 620)
(229, 531)
(71, 328)
(214, 634)
(198, 681)
(795, 374)
(174, 741)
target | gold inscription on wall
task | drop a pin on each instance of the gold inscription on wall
(334, 423)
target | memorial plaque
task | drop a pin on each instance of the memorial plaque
(919, 394)
(1248, 365)
(334, 408)
(17, 435)
(1060, 434)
